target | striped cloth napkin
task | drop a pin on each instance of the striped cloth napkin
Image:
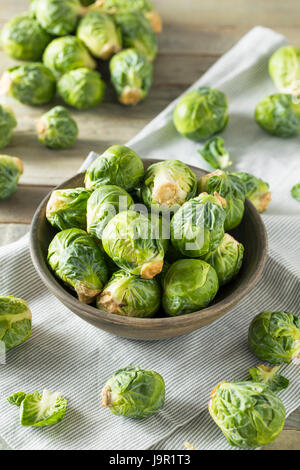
(68, 355)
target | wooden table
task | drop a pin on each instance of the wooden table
(196, 33)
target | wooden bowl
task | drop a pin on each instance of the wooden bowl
(251, 232)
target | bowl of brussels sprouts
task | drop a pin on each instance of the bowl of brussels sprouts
(148, 249)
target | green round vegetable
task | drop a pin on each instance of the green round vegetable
(128, 240)
(77, 260)
(248, 413)
(137, 33)
(229, 187)
(189, 285)
(295, 192)
(104, 203)
(201, 113)
(214, 153)
(57, 129)
(23, 38)
(278, 115)
(15, 321)
(131, 296)
(131, 75)
(226, 259)
(11, 168)
(275, 337)
(118, 165)
(31, 83)
(134, 393)
(99, 34)
(198, 226)
(284, 69)
(67, 53)
(81, 88)
(257, 190)
(7, 124)
(58, 17)
(66, 208)
(167, 185)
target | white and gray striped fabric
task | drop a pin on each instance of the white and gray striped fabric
(68, 355)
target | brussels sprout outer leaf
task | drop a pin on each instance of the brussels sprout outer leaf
(16, 398)
(11, 169)
(268, 375)
(295, 192)
(42, 410)
(215, 154)
(67, 208)
(15, 321)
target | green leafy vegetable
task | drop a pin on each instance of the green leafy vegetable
(284, 69)
(15, 321)
(215, 154)
(58, 17)
(279, 115)
(295, 192)
(66, 208)
(7, 124)
(16, 398)
(82, 88)
(11, 168)
(257, 190)
(268, 375)
(57, 129)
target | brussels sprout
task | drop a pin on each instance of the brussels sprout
(77, 260)
(7, 124)
(167, 185)
(67, 53)
(229, 187)
(201, 113)
(189, 285)
(131, 76)
(226, 259)
(15, 321)
(278, 115)
(23, 38)
(31, 83)
(134, 392)
(66, 208)
(38, 409)
(57, 129)
(295, 192)
(118, 165)
(275, 337)
(11, 168)
(268, 375)
(128, 240)
(248, 413)
(103, 205)
(81, 88)
(58, 17)
(138, 33)
(284, 69)
(257, 190)
(198, 226)
(215, 154)
(99, 34)
(129, 295)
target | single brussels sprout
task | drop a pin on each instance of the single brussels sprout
(197, 228)
(201, 113)
(57, 129)
(278, 115)
(137, 33)
(226, 259)
(248, 413)
(118, 165)
(134, 392)
(67, 53)
(268, 375)
(167, 185)
(131, 296)
(99, 34)
(66, 208)
(257, 190)
(57, 17)
(284, 69)
(38, 409)
(215, 154)
(128, 240)
(77, 260)
(7, 124)
(103, 205)
(23, 38)
(295, 192)
(15, 321)
(81, 88)
(31, 83)
(11, 168)
(131, 75)
(229, 187)
(189, 285)
(275, 337)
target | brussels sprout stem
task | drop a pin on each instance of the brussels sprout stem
(151, 269)
(41, 127)
(5, 83)
(86, 294)
(19, 164)
(106, 396)
(109, 303)
(155, 19)
(130, 96)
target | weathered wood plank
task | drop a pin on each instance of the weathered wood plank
(20, 208)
